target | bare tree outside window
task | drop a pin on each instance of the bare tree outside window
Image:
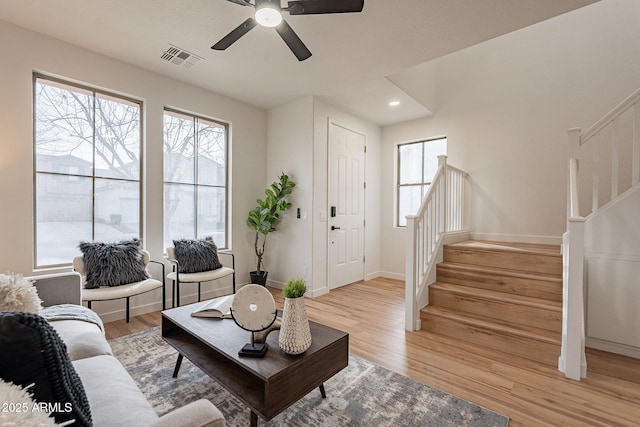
(87, 146)
(195, 178)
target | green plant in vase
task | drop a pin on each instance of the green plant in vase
(265, 218)
(295, 334)
(294, 288)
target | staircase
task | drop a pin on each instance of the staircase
(504, 296)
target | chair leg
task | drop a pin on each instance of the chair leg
(173, 293)
(198, 291)
(127, 310)
(177, 293)
(164, 294)
(89, 304)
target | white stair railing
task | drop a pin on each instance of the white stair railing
(605, 139)
(444, 210)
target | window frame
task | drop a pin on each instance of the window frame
(94, 91)
(227, 141)
(421, 184)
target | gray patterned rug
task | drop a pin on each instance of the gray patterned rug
(363, 394)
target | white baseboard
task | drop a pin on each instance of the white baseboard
(517, 238)
(275, 284)
(371, 276)
(317, 292)
(391, 275)
(455, 237)
(613, 347)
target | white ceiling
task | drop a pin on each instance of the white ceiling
(355, 56)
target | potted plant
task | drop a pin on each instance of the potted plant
(295, 334)
(265, 218)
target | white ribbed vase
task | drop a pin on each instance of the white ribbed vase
(295, 335)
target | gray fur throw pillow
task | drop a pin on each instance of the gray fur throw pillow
(195, 256)
(113, 264)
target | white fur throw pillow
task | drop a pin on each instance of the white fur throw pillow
(20, 409)
(18, 294)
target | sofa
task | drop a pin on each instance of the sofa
(113, 396)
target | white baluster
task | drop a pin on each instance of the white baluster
(615, 165)
(635, 168)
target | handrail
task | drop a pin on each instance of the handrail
(611, 116)
(432, 189)
(443, 210)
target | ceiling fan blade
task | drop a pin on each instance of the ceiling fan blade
(241, 2)
(293, 41)
(309, 7)
(234, 35)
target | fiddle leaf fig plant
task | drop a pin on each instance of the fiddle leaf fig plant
(265, 217)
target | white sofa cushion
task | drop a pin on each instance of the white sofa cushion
(122, 291)
(83, 339)
(113, 395)
(201, 277)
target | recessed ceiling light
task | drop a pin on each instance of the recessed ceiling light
(394, 103)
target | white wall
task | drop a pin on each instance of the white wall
(29, 51)
(505, 106)
(612, 251)
(290, 150)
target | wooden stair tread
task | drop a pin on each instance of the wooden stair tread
(498, 271)
(531, 248)
(522, 331)
(538, 259)
(486, 294)
(503, 296)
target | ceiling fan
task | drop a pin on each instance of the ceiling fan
(269, 14)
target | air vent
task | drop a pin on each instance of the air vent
(180, 57)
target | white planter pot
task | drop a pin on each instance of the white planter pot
(295, 335)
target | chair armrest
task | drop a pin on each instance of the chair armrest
(161, 264)
(201, 413)
(229, 253)
(59, 288)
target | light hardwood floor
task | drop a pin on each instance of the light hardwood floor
(530, 394)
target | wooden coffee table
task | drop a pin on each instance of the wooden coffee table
(267, 386)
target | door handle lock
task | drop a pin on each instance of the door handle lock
(333, 227)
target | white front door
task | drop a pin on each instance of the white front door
(346, 206)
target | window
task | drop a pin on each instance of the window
(195, 178)
(87, 146)
(417, 165)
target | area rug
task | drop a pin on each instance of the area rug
(363, 394)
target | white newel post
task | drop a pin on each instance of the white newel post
(572, 360)
(411, 305)
(572, 357)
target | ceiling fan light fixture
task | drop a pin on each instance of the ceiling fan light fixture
(268, 13)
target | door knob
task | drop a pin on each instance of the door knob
(333, 227)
